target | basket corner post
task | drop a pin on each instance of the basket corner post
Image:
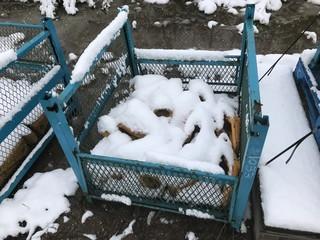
(58, 121)
(57, 49)
(250, 11)
(130, 48)
(248, 20)
(249, 169)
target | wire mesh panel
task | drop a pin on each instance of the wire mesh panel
(104, 86)
(222, 76)
(151, 184)
(18, 84)
(13, 36)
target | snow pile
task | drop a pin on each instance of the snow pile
(48, 7)
(157, 1)
(116, 198)
(212, 23)
(311, 35)
(161, 123)
(86, 215)
(314, 1)
(262, 9)
(125, 232)
(72, 57)
(90, 236)
(191, 236)
(104, 39)
(41, 201)
(134, 24)
(66, 219)
(290, 192)
(241, 26)
(150, 216)
(198, 214)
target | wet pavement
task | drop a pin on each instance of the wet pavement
(181, 27)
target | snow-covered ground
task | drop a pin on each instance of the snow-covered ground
(38, 204)
(290, 192)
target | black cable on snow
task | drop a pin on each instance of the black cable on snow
(294, 145)
(267, 73)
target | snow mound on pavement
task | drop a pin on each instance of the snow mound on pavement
(38, 204)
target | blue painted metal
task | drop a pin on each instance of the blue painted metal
(243, 58)
(71, 89)
(315, 66)
(31, 65)
(21, 25)
(309, 96)
(53, 110)
(27, 47)
(130, 47)
(254, 125)
(48, 24)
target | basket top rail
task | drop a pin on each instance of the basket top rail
(21, 25)
(186, 54)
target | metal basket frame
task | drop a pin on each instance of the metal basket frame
(37, 54)
(93, 171)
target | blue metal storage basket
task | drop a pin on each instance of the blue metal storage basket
(220, 197)
(38, 53)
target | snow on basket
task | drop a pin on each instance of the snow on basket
(163, 124)
(167, 128)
